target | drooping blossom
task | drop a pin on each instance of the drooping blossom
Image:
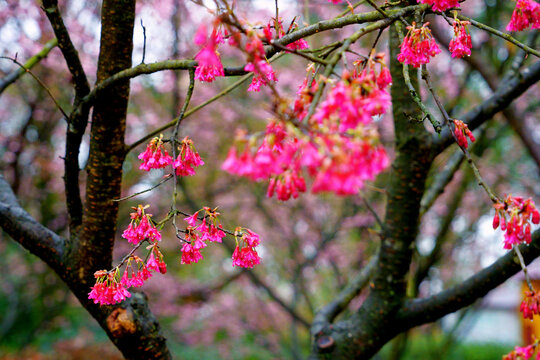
(155, 156)
(263, 74)
(418, 46)
(461, 43)
(244, 254)
(198, 235)
(526, 13)
(209, 64)
(107, 289)
(520, 213)
(461, 130)
(135, 273)
(155, 261)
(190, 255)
(257, 63)
(530, 305)
(141, 227)
(441, 5)
(188, 159)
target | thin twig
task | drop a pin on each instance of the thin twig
(225, 91)
(477, 175)
(523, 267)
(144, 42)
(30, 63)
(165, 179)
(40, 83)
(174, 140)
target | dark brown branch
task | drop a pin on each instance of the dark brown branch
(421, 311)
(24, 229)
(505, 94)
(77, 121)
(491, 78)
(329, 312)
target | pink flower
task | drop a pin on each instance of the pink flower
(461, 44)
(208, 62)
(153, 157)
(246, 257)
(461, 131)
(441, 5)
(192, 220)
(530, 305)
(526, 13)
(141, 228)
(188, 159)
(263, 74)
(190, 255)
(107, 290)
(418, 46)
(209, 65)
(521, 213)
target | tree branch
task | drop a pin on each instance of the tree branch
(506, 93)
(24, 229)
(77, 120)
(29, 64)
(420, 311)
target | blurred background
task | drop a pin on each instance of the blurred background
(311, 247)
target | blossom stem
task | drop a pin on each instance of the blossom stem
(27, 70)
(523, 267)
(225, 91)
(448, 120)
(128, 255)
(165, 179)
(174, 139)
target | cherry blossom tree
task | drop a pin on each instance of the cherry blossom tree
(367, 122)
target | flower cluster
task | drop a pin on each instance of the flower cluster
(141, 227)
(461, 44)
(441, 5)
(263, 74)
(461, 130)
(278, 157)
(155, 156)
(523, 353)
(109, 289)
(209, 64)
(520, 213)
(257, 63)
(197, 235)
(341, 150)
(526, 13)
(244, 254)
(530, 305)
(188, 159)
(356, 99)
(418, 46)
